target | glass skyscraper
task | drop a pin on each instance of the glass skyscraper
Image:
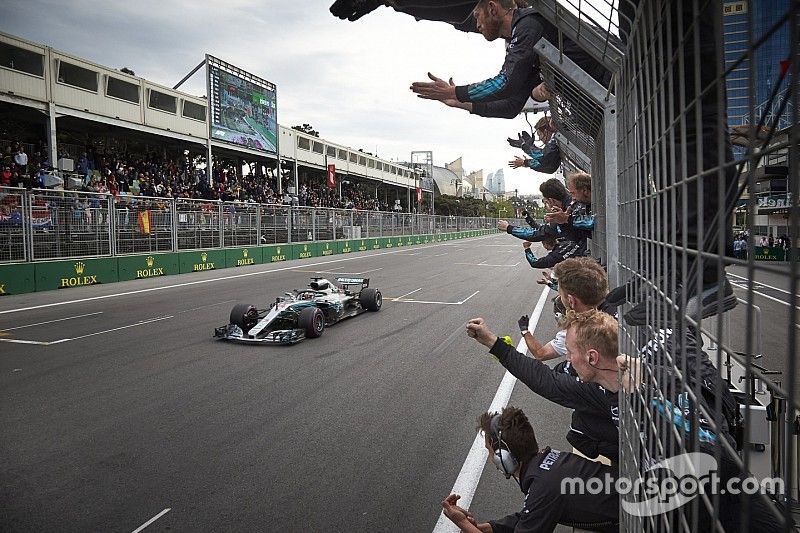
(769, 59)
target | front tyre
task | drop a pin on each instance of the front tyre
(312, 321)
(371, 299)
(245, 316)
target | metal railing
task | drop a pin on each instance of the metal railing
(46, 224)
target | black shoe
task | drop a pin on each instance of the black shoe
(707, 302)
(638, 315)
(624, 293)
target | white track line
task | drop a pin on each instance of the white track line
(470, 474)
(760, 283)
(156, 517)
(485, 265)
(462, 302)
(737, 285)
(468, 297)
(368, 271)
(407, 294)
(216, 280)
(20, 341)
(52, 321)
(142, 323)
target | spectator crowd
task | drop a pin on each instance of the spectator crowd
(157, 176)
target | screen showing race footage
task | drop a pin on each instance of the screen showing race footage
(243, 112)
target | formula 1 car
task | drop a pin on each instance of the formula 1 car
(302, 313)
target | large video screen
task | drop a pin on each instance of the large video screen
(243, 107)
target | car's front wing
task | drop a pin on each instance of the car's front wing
(234, 333)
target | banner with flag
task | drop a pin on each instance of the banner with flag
(331, 176)
(144, 222)
(419, 195)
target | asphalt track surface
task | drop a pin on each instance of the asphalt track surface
(124, 412)
(126, 407)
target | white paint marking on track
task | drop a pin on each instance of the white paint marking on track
(214, 280)
(141, 323)
(368, 271)
(462, 302)
(21, 341)
(468, 297)
(407, 294)
(470, 474)
(485, 265)
(439, 255)
(737, 285)
(745, 280)
(53, 321)
(156, 517)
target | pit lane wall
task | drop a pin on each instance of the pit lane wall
(20, 278)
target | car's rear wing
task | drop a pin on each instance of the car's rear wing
(350, 282)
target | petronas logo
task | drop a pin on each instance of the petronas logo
(79, 268)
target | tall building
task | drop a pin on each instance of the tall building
(476, 179)
(490, 182)
(499, 182)
(740, 18)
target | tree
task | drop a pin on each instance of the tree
(308, 129)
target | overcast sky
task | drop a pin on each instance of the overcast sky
(349, 80)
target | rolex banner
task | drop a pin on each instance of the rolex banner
(331, 176)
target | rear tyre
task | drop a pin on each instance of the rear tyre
(245, 316)
(312, 321)
(371, 299)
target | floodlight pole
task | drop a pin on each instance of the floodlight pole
(209, 112)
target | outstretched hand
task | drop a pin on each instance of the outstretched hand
(353, 10)
(455, 513)
(517, 162)
(436, 89)
(502, 225)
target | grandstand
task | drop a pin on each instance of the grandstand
(78, 103)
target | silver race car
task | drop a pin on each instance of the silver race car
(302, 313)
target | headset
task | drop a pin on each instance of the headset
(502, 457)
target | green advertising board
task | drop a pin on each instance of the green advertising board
(766, 253)
(202, 260)
(346, 247)
(305, 251)
(132, 267)
(327, 248)
(75, 273)
(17, 279)
(276, 254)
(238, 257)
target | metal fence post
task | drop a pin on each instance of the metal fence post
(174, 225)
